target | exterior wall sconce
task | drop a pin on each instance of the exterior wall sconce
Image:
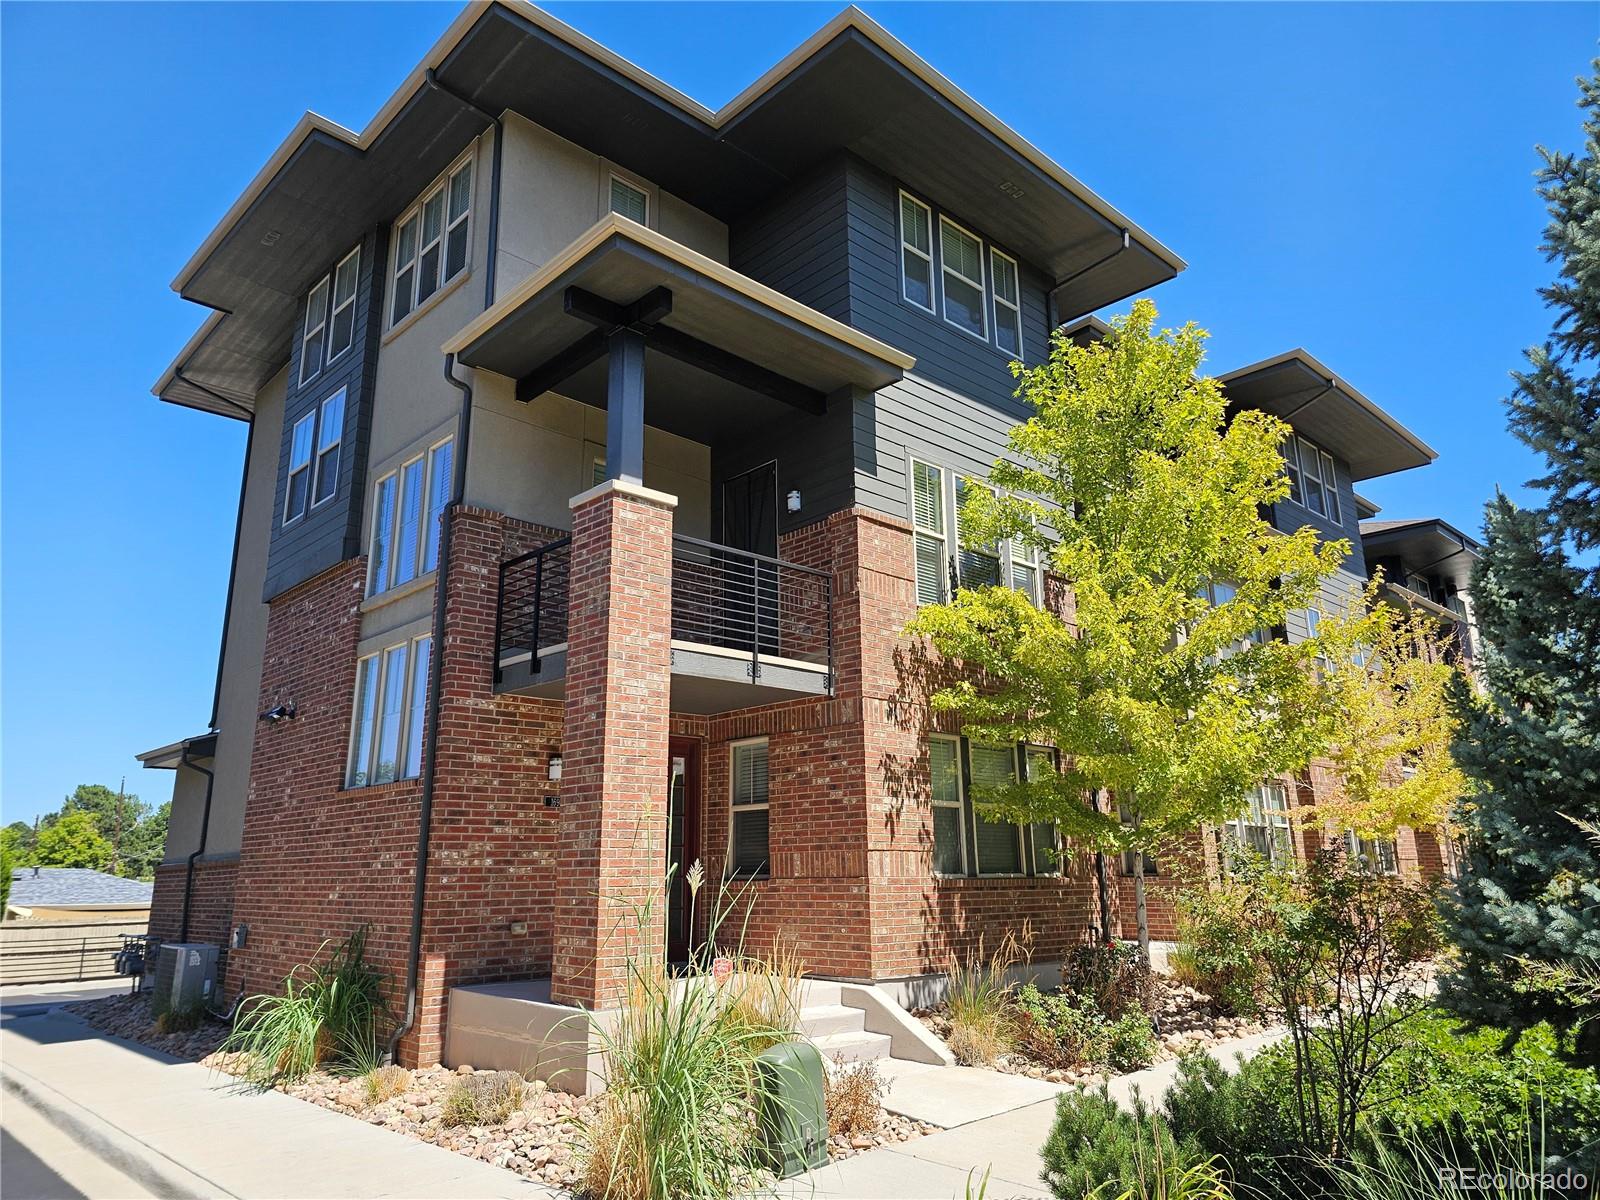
(554, 774)
(792, 501)
(281, 712)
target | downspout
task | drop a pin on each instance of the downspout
(435, 692)
(205, 829)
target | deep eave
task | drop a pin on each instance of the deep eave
(1427, 546)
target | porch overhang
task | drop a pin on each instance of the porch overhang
(1428, 546)
(170, 758)
(1317, 403)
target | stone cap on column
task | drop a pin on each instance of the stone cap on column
(621, 487)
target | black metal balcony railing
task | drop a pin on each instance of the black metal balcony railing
(725, 599)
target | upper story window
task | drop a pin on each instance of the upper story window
(391, 704)
(406, 507)
(342, 325)
(962, 261)
(330, 434)
(430, 241)
(325, 334)
(314, 443)
(1221, 592)
(297, 492)
(916, 252)
(1313, 482)
(1007, 303)
(935, 508)
(628, 200)
(313, 334)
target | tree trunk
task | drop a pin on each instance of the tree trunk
(1138, 900)
(1103, 883)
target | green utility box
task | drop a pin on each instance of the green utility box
(793, 1113)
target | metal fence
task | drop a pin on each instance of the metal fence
(61, 951)
(531, 612)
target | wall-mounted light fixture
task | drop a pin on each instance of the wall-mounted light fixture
(555, 768)
(793, 500)
(279, 712)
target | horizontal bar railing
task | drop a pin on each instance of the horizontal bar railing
(531, 611)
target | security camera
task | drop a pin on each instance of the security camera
(281, 712)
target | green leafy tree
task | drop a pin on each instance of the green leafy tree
(115, 816)
(145, 846)
(72, 841)
(1159, 691)
(1528, 897)
(7, 864)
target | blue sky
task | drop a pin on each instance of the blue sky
(1352, 179)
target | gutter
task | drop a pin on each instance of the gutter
(205, 829)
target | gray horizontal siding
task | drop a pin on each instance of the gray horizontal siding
(1289, 516)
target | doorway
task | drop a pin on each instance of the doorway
(683, 843)
(750, 585)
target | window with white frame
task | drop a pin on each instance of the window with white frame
(391, 704)
(1313, 481)
(998, 843)
(330, 434)
(1263, 826)
(297, 491)
(629, 200)
(916, 252)
(748, 821)
(1221, 592)
(342, 324)
(977, 563)
(430, 241)
(406, 506)
(961, 263)
(928, 516)
(1039, 762)
(1376, 855)
(936, 508)
(1007, 302)
(944, 778)
(313, 333)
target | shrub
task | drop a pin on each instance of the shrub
(854, 1094)
(1217, 934)
(1242, 1119)
(328, 1012)
(978, 998)
(1062, 1030)
(1094, 1143)
(1131, 1042)
(384, 1083)
(486, 1099)
(180, 1020)
(1173, 1181)
(1114, 976)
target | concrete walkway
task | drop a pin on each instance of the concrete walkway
(182, 1131)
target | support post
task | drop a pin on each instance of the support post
(625, 408)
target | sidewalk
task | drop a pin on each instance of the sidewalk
(182, 1131)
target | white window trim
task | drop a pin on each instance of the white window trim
(730, 869)
(972, 809)
(426, 457)
(1274, 820)
(335, 308)
(402, 746)
(1058, 866)
(980, 283)
(1330, 486)
(1294, 470)
(635, 185)
(308, 330)
(318, 449)
(942, 537)
(311, 458)
(959, 804)
(933, 272)
(440, 183)
(999, 301)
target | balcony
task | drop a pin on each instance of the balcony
(746, 629)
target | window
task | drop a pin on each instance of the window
(1313, 481)
(1376, 855)
(1291, 464)
(391, 705)
(998, 843)
(978, 563)
(629, 201)
(297, 493)
(312, 333)
(1129, 859)
(430, 241)
(928, 504)
(916, 252)
(944, 774)
(1264, 824)
(1040, 761)
(961, 256)
(748, 804)
(1220, 593)
(1007, 303)
(330, 432)
(406, 508)
(1330, 487)
(342, 326)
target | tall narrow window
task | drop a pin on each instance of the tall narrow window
(927, 505)
(944, 778)
(457, 215)
(630, 201)
(313, 334)
(405, 267)
(1291, 464)
(391, 716)
(978, 563)
(999, 843)
(1007, 303)
(365, 722)
(431, 258)
(1263, 826)
(748, 819)
(410, 525)
(1041, 763)
(417, 705)
(1330, 486)
(342, 328)
(916, 252)
(330, 432)
(1311, 478)
(439, 482)
(297, 492)
(961, 259)
(432, 241)
(382, 559)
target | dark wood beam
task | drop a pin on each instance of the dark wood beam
(642, 314)
(591, 347)
(731, 367)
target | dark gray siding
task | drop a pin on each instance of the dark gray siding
(1289, 516)
(331, 532)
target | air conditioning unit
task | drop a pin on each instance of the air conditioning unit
(186, 976)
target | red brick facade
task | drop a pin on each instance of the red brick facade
(210, 906)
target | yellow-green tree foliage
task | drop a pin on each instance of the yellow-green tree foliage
(1138, 490)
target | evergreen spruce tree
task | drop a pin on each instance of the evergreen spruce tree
(1526, 909)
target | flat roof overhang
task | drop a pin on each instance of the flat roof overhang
(170, 757)
(732, 350)
(1428, 546)
(1311, 398)
(851, 87)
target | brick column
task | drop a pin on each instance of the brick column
(614, 746)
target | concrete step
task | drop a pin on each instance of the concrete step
(823, 1019)
(818, 993)
(852, 1047)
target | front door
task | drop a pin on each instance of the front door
(683, 840)
(750, 585)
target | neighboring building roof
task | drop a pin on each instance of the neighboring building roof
(75, 887)
(1426, 545)
(851, 86)
(1299, 389)
(1366, 508)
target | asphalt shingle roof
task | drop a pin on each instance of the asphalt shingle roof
(74, 885)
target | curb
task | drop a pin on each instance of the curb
(125, 1153)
